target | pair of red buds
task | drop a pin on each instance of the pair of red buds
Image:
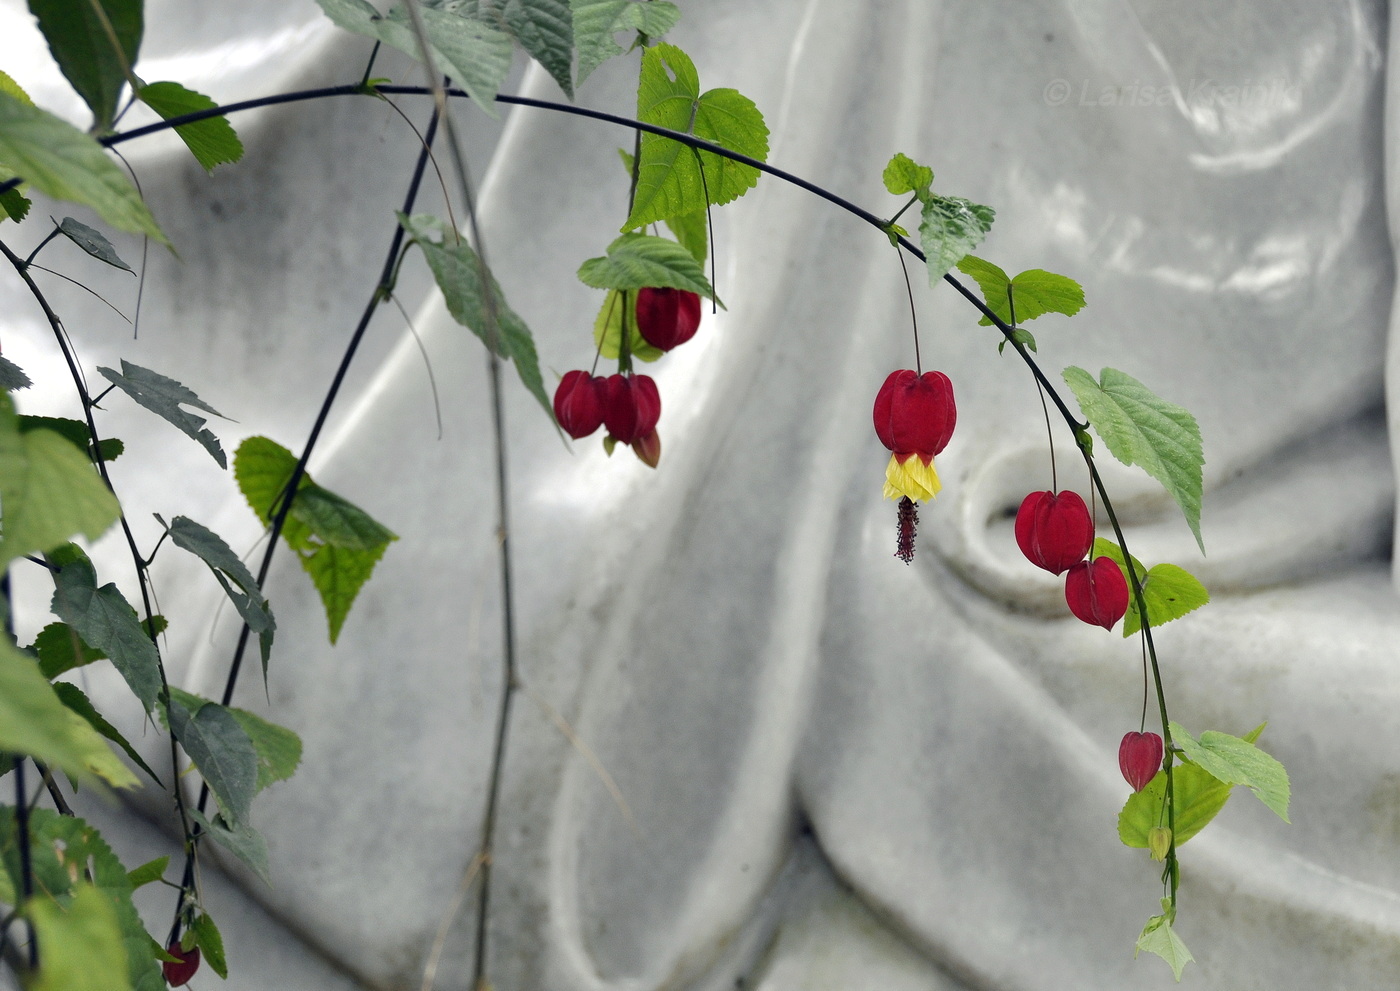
(628, 404)
(1055, 532)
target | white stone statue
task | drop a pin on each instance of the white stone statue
(835, 772)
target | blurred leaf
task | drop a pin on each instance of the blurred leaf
(151, 871)
(84, 49)
(545, 29)
(80, 945)
(73, 697)
(607, 330)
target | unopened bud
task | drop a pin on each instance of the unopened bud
(1159, 841)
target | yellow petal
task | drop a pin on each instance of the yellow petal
(911, 478)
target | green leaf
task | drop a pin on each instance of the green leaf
(220, 748)
(692, 230)
(278, 748)
(33, 720)
(1237, 762)
(73, 697)
(1141, 428)
(1160, 938)
(951, 227)
(339, 560)
(636, 261)
(545, 29)
(80, 945)
(164, 397)
(248, 599)
(607, 330)
(212, 141)
(244, 842)
(105, 620)
(1171, 592)
(84, 50)
(62, 162)
(211, 944)
(475, 54)
(60, 649)
(669, 182)
(1199, 796)
(1035, 291)
(149, 872)
(904, 175)
(12, 376)
(48, 490)
(70, 856)
(597, 21)
(75, 431)
(457, 270)
(13, 203)
(93, 242)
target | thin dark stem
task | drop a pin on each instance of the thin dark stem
(87, 289)
(40, 246)
(26, 864)
(913, 315)
(710, 230)
(59, 802)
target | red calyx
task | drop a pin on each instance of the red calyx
(1055, 532)
(667, 317)
(631, 406)
(578, 403)
(1097, 592)
(177, 975)
(1140, 758)
(915, 414)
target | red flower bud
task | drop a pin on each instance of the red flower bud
(915, 414)
(667, 317)
(1097, 592)
(1140, 757)
(1054, 531)
(578, 403)
(177, 975)
(631, 406)
(648, 449)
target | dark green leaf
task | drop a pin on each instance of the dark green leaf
(278, 748)
(13, 203)
(212, 141)
(1141, 428)
(597, 21)
(93, 242)
(164, 397)
(670, 182)
(149, 872)
(545, 29)
(950, 228)
(904, 175)
(34, 721)
(12, 376)
(244, 842)
(85, 51)
(105, 620)
(227, 567)
(73, 697)
(48, 490)
(636, 261)
(60, 649)
(211, 944)
(1237, 762)
(62, 162)
(457, 270)
(75, 431)
(220, 748)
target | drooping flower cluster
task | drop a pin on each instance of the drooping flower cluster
(628, 404)
(1055, 531)
(914, 417)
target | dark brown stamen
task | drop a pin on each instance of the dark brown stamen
(908, 524)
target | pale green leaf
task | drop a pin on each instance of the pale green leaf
(33, 720)
(212, 140)
(75, 432)
(72, 696)
(596, 22)
(105, 620)
(1160, 938)
(94, 242)
(1141, 428)
(545, 29)
(80, 945)
(220, 749)
(950, 228)
(84, 50)
(1237, 762)
(1199, 796)
(148, 873)
(636, 261)
(457, 270)
(904, 175)
(1034, 293)
(1171, 592)
(62, 162)
(48, 490)
(607, 329)
(670, 181)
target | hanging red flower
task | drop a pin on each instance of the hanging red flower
(914, 417)
(1055, 532)
(1097, 592)
(1140, 757)
(578, 403)
(630, 407)
(667, 318)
